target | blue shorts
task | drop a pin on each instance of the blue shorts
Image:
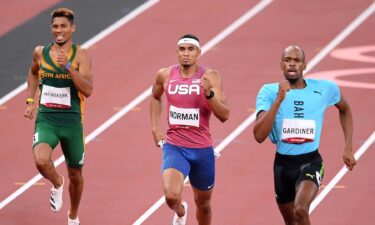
(197, 163)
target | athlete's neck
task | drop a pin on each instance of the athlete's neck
(65, 46)
(188, 71)
(299, 84)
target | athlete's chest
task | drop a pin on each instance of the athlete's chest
(303, 103)
(180, 87)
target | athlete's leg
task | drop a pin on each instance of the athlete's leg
(202, 180)
(173, 184)
(284, 192)
(42, 155)
(75, 190)
(306, 191)
(287, 211)
(307, 186)
(203, 203)
(73, 147)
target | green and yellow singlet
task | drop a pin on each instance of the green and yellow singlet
(59, 102)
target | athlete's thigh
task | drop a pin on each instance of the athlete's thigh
(313, 171)
(175, 169)
(173, 158)
(73, 145)
(308, 182)
(284, 184)
(172, 181)
(45, 132)
(202, 172)
(306, 192)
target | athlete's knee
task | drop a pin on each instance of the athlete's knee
(171, 197)
(204, 206)
(42, 163)
(75, 175)
(301, 212)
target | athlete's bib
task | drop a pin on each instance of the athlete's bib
(298, 131)
(183, 116)
(53, 97)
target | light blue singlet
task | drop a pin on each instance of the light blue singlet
(301, 113)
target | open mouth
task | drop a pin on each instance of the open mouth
(60, 38)
(292, 72)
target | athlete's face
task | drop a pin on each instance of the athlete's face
(293, 64)
(62, 30)
(188, 54)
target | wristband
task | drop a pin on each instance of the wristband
(67, 65)
(161, 143)
(211, 95)
(29, 100)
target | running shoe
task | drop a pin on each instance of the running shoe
(180, 220)
(56, 199)
(73, 222)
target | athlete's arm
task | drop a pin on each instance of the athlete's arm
(156, 104)
(83, 78)
(346, 120)
(33, 81)
(265, 119)
(211, 81)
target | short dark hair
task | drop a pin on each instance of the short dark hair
(189, 36)
(296, 47)
(63, 12)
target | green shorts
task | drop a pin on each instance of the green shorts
(71, 140)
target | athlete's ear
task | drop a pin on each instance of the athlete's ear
(304, 65)
(73, 27)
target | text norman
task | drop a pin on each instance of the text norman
(184, 116)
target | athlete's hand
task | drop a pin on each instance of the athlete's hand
(349, 159)
(158, 136)
(206, 84)
(284, 87)
(29, 112)
(61, 58)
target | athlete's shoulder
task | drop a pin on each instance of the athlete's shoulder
(38, 52)
(163, 74)
(271, 87)
(165, 71)
(83, 52)
(320, 83)
(38, 49)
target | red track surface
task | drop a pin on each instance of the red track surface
(15, 12)
(122, 170)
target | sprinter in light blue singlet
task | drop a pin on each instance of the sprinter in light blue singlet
(291, 114)
(300, 116)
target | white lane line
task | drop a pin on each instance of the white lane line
(218, 38)
(336, 41)
(339, 38)
(106, 124)
(92, 41)
(341, 173)
(236, 24)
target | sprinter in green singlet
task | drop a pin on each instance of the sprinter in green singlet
(62, 70)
